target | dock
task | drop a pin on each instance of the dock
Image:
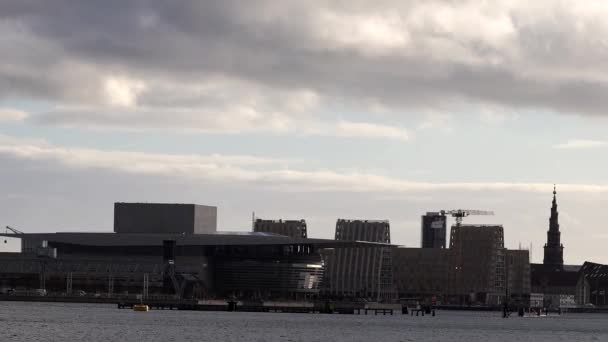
(268, 306)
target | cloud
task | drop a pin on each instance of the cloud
(581, 143)
(244, 64)
(253, 171)
(8, 114)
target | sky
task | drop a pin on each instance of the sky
(313, 110)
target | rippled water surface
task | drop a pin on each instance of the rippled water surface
(78, 322)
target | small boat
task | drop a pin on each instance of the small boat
(141, 307)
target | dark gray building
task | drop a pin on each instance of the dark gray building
(433, 234)
(554, 250)
(477, 265)
(421, 272)
(292, 228)
(164, 218)
(361, 272)
(518, 276)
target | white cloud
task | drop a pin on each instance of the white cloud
(349, 129)
(245, 65)
(121, 91)
(268, 172)
(8, 114)
(581, 143)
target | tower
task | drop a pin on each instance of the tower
(554, 250)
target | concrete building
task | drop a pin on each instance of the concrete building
(361, 272)
(292, 228)
(433, 234)
(518, 276)
(164, 218)
(421, 272)
(477, 264)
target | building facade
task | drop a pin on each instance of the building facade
(518, 276)
(592, 287)
(421, 273)
(433, 234)
(291, 228)
(477, 265)
(361, 272)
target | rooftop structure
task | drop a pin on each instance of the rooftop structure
(164, 218)
(292, 228)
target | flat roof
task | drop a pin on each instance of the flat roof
(216, 239)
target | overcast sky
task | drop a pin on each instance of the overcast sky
(308, 109)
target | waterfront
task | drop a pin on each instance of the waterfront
(56, 322)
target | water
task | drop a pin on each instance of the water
(54, 322)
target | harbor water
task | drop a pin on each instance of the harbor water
(54, 322)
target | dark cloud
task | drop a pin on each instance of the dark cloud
(402, 55)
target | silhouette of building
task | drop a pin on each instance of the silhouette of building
(592, 287)
(291, 228)
(433, 232)
(159, 258)
(421, 272)
(552, 279)
(554, 250)
(360, 272)
(166, 218)
(477, 264)
(518, 276)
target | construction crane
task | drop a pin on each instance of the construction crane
(458, 214)
(13, 230)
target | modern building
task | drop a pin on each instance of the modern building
(554, 280)
(141, 257)
(291, 228)
(361, 272)
(433, 234)
(421, 273)
(477, 264)
(592, 287)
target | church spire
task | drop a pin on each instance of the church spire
(554, 250)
